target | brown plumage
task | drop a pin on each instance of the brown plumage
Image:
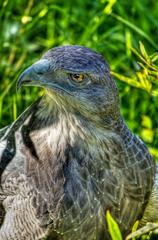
(69, 157)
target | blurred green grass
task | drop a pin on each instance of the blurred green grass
(112, 27)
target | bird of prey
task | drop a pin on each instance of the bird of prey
(70, 157)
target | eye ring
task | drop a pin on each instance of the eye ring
(77, 77)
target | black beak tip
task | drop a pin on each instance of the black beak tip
(32, 73)
(18, 84)
(24, 78)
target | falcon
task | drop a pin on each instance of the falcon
(70, 157)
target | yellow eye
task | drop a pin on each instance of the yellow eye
(78, 77)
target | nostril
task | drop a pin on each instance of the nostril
(41, 66)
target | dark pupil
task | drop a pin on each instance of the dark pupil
(76, 76)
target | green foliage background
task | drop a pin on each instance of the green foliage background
(112, 27)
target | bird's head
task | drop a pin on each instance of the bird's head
(77, 79)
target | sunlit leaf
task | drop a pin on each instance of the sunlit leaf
(109, 6)
(154, 152)
(146, 121)
(143, 51)
(26, 19)
(135, 227)
(147, 135)
(113, 227)
(43, 12)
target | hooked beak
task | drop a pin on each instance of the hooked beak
(33, 76)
